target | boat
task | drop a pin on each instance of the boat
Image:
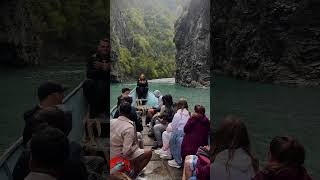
(74, 102)
(151, 101)
(77, 104)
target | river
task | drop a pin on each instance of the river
(271, 110)
(18, 93)
(268, 110)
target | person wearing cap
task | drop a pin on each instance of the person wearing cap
(152, 111)
(96, 88)
(49, 94)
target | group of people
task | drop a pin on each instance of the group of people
(177, 132)
(183, 137)
(48, 152)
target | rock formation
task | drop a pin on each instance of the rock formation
(192, 41)
(19, 40)
(269, 41)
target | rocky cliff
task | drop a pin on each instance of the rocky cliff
(19, 40)
(270, 41)
(192, 41)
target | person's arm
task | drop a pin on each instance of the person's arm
(188, 126)
(139, 126)
(128, 139)
(175, 121)
(116, 115)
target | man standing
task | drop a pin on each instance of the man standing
(96, 88)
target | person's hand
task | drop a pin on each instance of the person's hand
(106, 66)
(97, 65)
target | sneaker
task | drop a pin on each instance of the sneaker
(158, 151)
(166, 156)
(174, 164)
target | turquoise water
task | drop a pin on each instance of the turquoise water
(193, 95)
(18, 93)
(271, 110)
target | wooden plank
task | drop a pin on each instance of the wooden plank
(156, 170)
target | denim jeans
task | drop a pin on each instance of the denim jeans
(175, 146)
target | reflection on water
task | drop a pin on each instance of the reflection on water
(271, 110)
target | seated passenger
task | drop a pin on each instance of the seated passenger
(179, 121)
(161, 120)
(232, 158)
(49, 94)
(285, 161)
(124, 142)
(49, 151)
(142, 87)
(134, 118)
(125, 92)
(196, 132)
(197, 167)
(152, 111)
(75, 166)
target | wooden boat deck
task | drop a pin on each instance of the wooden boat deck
(158, 169)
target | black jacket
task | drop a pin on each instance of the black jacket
(28, 127)
(97, 74)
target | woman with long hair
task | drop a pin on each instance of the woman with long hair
(285, 161)
(161, 120)
(232, 158)
(178, 122)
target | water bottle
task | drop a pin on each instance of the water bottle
(116, 168)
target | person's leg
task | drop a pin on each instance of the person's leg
(165, 140)
(175, 146)
(158, 130)
(188, 170)
(141, 162)
(138, 91)
(140, 140)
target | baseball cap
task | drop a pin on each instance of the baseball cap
(48, 88)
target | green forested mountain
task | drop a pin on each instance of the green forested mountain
(75, 23)
(142, 37)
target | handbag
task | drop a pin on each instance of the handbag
(203, 155)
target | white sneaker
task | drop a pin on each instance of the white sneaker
(166, 155)
(174, 164)
(158, 151)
